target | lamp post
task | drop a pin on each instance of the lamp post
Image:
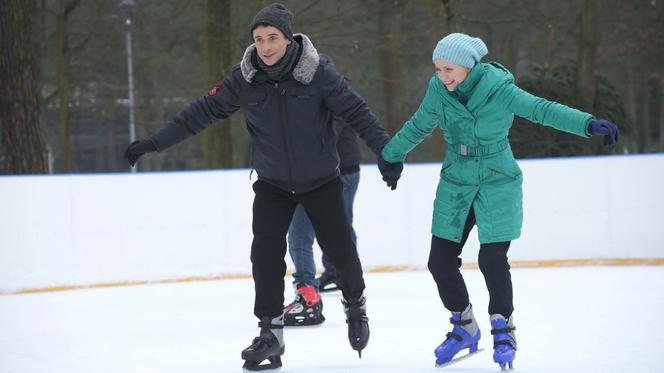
(127, 7)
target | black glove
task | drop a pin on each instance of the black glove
(391, 171)
(137, 148)
(602, 127)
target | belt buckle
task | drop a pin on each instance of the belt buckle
(463, 149)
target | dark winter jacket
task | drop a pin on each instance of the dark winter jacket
(349, 151)
(293, 141)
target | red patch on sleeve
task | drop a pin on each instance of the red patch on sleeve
(216, 89)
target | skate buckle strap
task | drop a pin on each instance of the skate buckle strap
(354, 311)
(269, 326)
(508, 342)
(460, 322)
(503, 330)
(504, 342)
(454, 335)
(354, 318)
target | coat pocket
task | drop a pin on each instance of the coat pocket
(304, 93)
(254, 100)
(500, 173)
(450, 172)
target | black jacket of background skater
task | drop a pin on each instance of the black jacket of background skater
(293, 140)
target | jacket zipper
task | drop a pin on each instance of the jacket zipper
(286, 134)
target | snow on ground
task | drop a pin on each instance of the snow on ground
(582, 319)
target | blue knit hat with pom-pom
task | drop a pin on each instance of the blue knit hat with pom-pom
(460, 49)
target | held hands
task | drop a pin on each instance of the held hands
(602, 127)
(137, 148)
(391, 172)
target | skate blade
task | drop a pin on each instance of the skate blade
(505, 368)
(273, 365)
(458, 359)
(266, 370)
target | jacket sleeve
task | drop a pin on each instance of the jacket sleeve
(545, 112)
(346, 103)
(415, 130)
(220, 103)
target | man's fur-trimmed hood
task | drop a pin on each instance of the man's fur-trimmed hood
(304, 70)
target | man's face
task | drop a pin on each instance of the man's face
(271, 44)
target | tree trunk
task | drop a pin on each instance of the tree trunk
(661, 113)
(63, 58)
(439, 17)
(588, 53)
(648, 118)
(21, 130)
(217, 52)
(631, 103)
(389, 24)
(639, 113)
(62, 50)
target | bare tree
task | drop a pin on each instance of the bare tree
(661, 113)
(588, 44)
(21, 130)
(63, 52)
(439, 17)
(389, 33)
(217, 52)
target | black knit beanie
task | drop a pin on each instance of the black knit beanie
(276, 15)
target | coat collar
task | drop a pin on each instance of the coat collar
(474, 76)
(491, 76)
(304, 70)
(483, 80)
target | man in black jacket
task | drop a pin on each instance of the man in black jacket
(289, 94)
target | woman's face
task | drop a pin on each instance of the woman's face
(450, 73)
(271, 44)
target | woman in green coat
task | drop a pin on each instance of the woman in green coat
(480, 182)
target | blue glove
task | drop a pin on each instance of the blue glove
(602, 127)
(391, 172)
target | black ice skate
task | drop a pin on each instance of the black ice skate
(358, 323)
(306, 309)
(269, 345)
(327, 283)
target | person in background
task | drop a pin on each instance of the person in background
(480, 182)
(289, 94)
(307, 308)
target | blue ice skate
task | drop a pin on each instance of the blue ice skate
(504, 343)
(465, 334)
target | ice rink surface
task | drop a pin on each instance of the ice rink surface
(580, 319)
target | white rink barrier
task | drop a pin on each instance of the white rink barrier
(67, 231)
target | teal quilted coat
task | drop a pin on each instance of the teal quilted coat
(479, 170)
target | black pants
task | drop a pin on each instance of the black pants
(272, 213)
(444, 264)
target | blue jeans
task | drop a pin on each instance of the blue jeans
(301, 236)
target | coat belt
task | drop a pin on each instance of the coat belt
(480, 150)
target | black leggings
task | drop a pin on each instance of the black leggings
(444, 264)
